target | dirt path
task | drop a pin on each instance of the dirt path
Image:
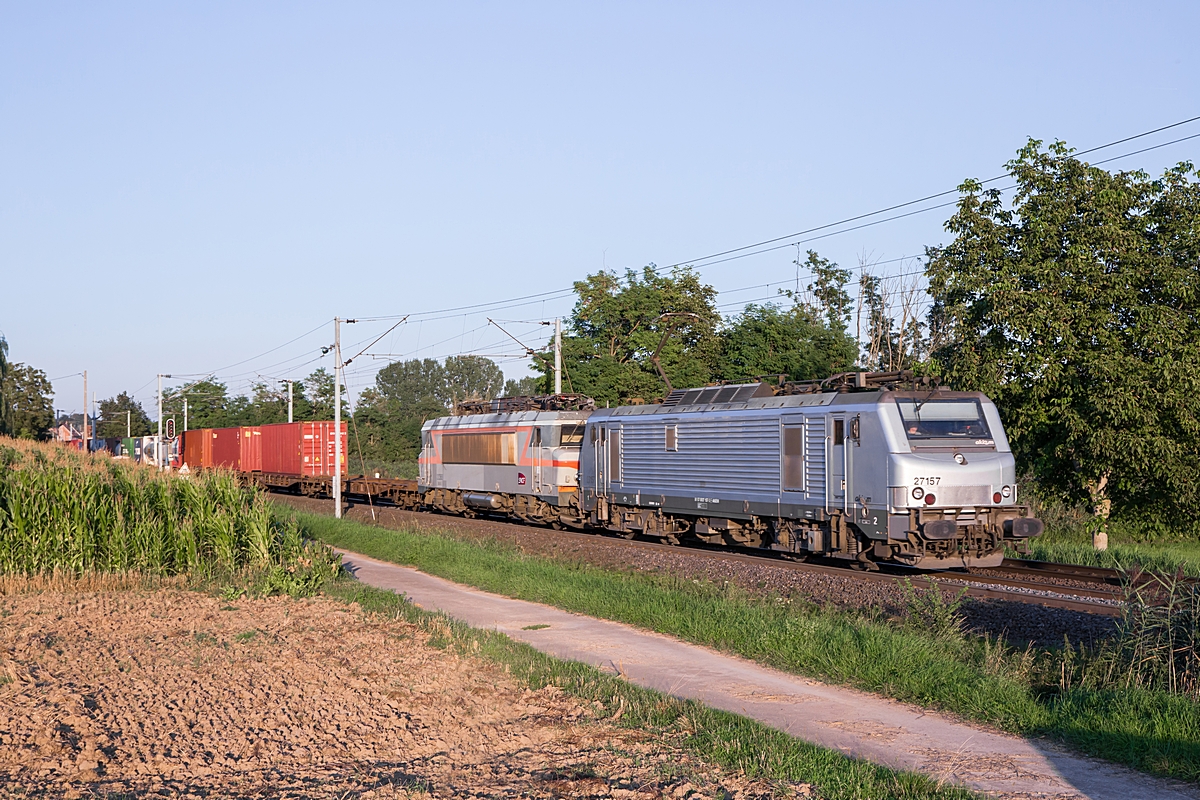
(178, 694)
(860, 724)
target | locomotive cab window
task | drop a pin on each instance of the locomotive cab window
(571, 435)
(672, 438)
(943, 419)
(839, 431)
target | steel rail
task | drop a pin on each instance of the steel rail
(1057, 570)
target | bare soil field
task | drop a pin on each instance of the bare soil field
(172, 693)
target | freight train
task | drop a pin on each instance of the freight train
(866, 467)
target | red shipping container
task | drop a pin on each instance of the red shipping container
(281, 448)
(250, 449)
(197, 448)
(301, 448)
(226, 448)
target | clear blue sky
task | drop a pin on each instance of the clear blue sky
(183, 187)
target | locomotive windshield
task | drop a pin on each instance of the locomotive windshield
(943, 419)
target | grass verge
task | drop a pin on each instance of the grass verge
(1075, 547)
(728, 740)
(975, 678)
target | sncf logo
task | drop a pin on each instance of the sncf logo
(520, 479)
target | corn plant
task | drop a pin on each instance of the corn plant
(66, 510)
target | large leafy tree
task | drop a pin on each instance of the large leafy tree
(521, 387)
(617, 325)
(29, 398)
(208, 405)
(1078, 310)
(318, 388)
(413, 384)
(389, 415)
(115, 412)
(472, 378)
(767, 340)
(827, 290)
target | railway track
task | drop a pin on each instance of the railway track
(1028, 582)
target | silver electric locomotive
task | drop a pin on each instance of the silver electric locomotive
(872, 467)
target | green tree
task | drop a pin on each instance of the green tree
(828, 290)
(113, 416)
(318, 388)
(208, 405)
(6, 402)
(29, 398)
(472, 378)
(268, 404)
(523, 387)
(1078, 311)
(615, 328)
(413, 384)
(389, 415)
(766, 340)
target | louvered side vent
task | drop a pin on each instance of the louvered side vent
(814, 458)
(674, 397)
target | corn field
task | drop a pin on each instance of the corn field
(65, 510)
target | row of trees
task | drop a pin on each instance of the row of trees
(617, 325)
(26, 399)
(1074, 303)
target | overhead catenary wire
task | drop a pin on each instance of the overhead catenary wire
(707, 260)
(744, 251)
(933, 196)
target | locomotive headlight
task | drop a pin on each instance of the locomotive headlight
(1006, 491)
(918, 493)
(960, 458)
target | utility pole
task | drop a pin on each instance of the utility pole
(558, 355)
(128, 423)
(337, 417)
(158, 448)
(289, 385)
(185, 415)
(85, 404)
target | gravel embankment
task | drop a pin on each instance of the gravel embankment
(1017, 622)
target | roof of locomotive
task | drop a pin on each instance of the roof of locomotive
(731, 397)
(513, 418)
(760, 396)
